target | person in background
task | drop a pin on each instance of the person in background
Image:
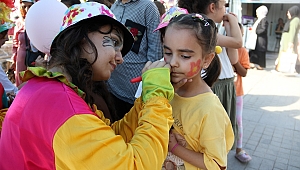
(19, 44)
(141, 17)
(278, 32)
(260, 27)
(8, 90)
(7, 84)
(69, 3)
(289, 39)
(108, 3)
(279, 26)
(5, 26)
(298, 59)
(161, 8)
(241, 70)
(53, 122)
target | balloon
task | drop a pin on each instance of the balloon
(43, 22)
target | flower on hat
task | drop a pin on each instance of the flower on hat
(71, 16)
(77, 13)
(106, 11)
(85, 11)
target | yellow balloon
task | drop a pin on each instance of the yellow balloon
(218, 49)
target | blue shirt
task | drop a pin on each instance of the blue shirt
(144, 18)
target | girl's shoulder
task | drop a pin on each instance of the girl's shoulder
(205, 102)
(198, 97)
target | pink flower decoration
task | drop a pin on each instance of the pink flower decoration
(106, 12)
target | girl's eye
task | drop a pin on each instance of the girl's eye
(116, 42)
(168, 54)
(186, 57)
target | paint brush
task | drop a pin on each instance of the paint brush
(136, 79)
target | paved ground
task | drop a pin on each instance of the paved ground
(271, 120)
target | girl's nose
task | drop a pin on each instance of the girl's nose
(173, 62)
(119, 58)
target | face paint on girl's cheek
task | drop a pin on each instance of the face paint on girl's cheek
(107, 42)
(195, 68)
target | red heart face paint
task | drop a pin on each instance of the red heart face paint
(195, 68)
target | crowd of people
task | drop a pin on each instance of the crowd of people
(287, 38)
(78, 109)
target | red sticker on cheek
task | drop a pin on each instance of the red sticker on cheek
(194, 69)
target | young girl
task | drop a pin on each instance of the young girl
(53, 124)
(241, 69)
(205, 130)
(224, 87)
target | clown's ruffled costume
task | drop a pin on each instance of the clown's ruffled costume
(50, 126)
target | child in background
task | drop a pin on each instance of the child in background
(202, 134)
(160, 6)
(241, 69)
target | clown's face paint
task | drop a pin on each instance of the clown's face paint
(184, 56)
(108, 47)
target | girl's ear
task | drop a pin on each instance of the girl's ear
(207, 60)
(211, 8)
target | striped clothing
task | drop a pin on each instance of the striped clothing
(143, 14)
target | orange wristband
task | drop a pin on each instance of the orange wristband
(174, 147)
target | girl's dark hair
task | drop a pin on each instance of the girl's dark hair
(66, 51)
(100, 89)
(161, 8)
(206, 32)
(69, 3)
(197, 6)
